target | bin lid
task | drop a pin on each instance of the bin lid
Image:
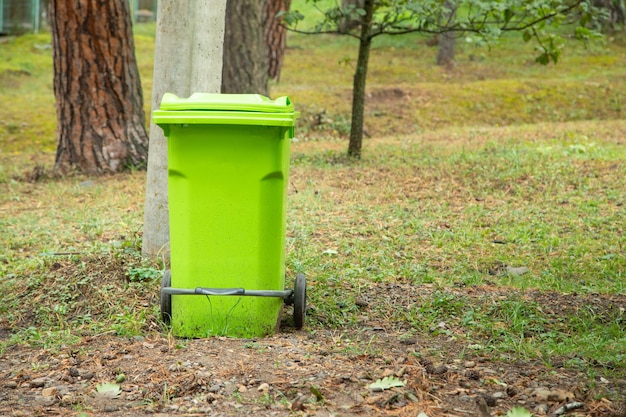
(230, 109)
(229, 102)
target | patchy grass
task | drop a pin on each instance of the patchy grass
(407, 93)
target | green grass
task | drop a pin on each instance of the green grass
(497, 162)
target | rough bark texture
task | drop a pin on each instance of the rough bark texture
(360, 76)
(245, 51)
(275, 35)
(447, 40)
(187, 59)
(101, 122)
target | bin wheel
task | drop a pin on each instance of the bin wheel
(166, 299)
(299, 301)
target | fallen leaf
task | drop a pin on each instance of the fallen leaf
(386, 383)
(108, 390)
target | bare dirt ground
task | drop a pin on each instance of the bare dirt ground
(310, 372)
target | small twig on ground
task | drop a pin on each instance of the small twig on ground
(568, 407)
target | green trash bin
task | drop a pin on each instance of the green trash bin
(228, 166)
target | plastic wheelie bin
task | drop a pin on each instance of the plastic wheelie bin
(228, 167)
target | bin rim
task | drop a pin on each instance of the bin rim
(226, 102)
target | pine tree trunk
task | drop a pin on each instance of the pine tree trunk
(275, 35)
(360, 76)
(245, 51)
(101, 122)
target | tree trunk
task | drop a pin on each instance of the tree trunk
(447, 40)
(245, 51)
(275, 35)
(187, 59)
(101, 122)
(360, 76)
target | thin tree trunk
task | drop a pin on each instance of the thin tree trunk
(360, 76)
(447, 40)
(245, 50)
(101, 122)
(275, 35)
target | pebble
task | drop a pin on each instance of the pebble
(215, 388)
(242, 389)
(42, 401)
(469, 364)
(264, 387)
(49, 392)
(69, 399)
(11, 385)
(110, 408)
(37, 383)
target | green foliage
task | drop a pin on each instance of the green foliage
(488, 20)
(143, 274)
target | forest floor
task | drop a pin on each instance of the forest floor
(317, 373)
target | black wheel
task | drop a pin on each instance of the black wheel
(299, 301)
(166, 299)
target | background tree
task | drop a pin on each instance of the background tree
(245, 68)
(275, 35)
(614, 14)
(447, 40)
(187, 59)
(101, 122)
(254, 45)
(482, 18)
(349, 22)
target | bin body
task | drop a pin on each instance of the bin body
(227, 184)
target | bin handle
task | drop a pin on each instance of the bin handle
(220, 291)
(285, 294)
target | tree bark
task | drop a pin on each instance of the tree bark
(245, 51)
(275, 36)
(360, 76)
(101, 122)
(187, 59)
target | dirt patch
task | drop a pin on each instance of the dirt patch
(313, 372)
(321, 373)
(386, 96)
